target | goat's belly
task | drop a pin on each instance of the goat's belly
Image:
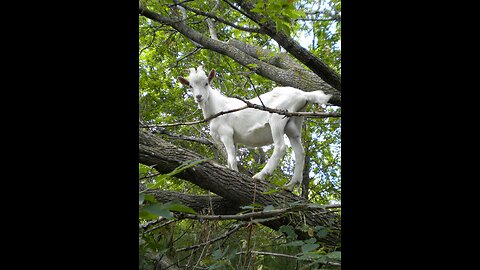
(254, 137)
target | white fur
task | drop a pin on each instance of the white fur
(252, 127)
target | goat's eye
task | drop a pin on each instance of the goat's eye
(206, 84)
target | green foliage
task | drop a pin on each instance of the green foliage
(283, 13)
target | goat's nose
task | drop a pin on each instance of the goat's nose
(199, 96)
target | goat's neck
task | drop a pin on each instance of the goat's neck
(214, 104)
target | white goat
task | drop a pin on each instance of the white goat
(252, 127)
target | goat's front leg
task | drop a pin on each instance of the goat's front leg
(227, 140)
(277, 125)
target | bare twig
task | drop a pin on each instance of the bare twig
(161, 225)
(255, 89)
(241, 11)
(254, 106)
(236, 228)
(182, 137)
(269, 253)
(251, 215)
(188, 54)
(149, 223)
(284, 255)
(196, 122)
(220, 19)
(149, 44)
(286, 113)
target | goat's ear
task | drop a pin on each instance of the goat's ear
(211, 75)
(184, 81)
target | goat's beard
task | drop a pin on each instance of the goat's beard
(200, 103)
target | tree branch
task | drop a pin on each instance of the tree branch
(287, 113)
(234, 186)
(251, 215)
(285, 256)
(227, 234)
(283, 77)
(160, 130)
(196, 122)
(199, 203)
(220, 19)
(248, 105)
(294, 48)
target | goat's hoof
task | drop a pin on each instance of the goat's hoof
(290, 186)
(258, 176)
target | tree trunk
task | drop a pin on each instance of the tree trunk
(237, 188)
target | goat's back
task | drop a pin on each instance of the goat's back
(290, 98)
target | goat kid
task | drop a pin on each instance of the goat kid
(252, 127)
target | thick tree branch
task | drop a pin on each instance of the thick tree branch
(199, 203)
(234, 186)
(294, 48)
(220, 19)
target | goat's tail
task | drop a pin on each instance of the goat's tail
(318, 97)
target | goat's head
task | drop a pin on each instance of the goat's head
(199, 83)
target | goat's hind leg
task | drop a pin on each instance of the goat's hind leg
(293, 129)
(277, 125)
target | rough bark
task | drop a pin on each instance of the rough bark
(199, 203)
(307, 80)
(294, 76)
(237, 188)
(295, 49)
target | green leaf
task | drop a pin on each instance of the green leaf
(310, 256)
(288, 229)
(337, 255)
(186, 165)
(178, 207)
(269, 208)
(311, 241)
(296, 243)
(252, 66)
(157, 209)
(217, 254)
(141, 198)
(150, 198)
(309, 247)
(322, 232)
(146, 215)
